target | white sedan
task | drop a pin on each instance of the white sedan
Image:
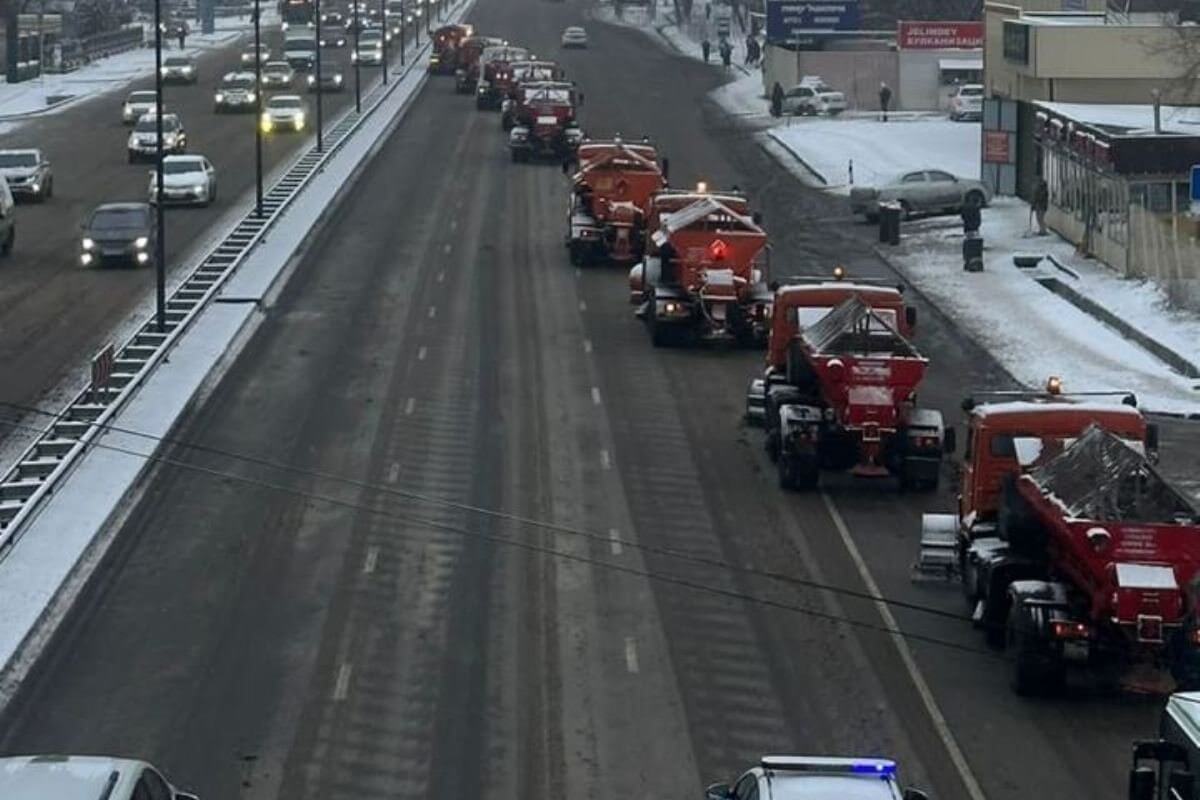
(574, 36)
(187, 180)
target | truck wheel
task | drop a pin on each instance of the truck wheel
(7, 249)
(1037, 667)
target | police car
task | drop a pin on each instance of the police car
(818, 778)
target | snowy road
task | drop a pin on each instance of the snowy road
(362, 638)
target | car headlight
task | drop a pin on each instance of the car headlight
(141, 242)
(36, 187)
(311, 80)
(219, 97)
(162, 71)
(198, 189)
(142, 258)
(88, 243)
(337, 79)
(251, 97)
(187, 70)
(85, 258)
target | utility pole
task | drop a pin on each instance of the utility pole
(160, 246)
(320, 89)
(258, 93)
(357, 74)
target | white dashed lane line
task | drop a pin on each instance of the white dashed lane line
(342, 687)
(631, 655)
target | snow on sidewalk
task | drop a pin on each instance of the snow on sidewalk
(1033, 332)
(34, 97)
(878, 150)
(684, 37)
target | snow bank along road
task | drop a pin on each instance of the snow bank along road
(53, 313)
(435, 341)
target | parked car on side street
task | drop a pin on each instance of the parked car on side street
(967, 103)
(930, 191)
(27, 173)
(813, 96)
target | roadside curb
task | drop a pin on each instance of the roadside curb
(808, 167)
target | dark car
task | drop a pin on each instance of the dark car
(331, 80)
(179, 69)
(118, 233)
(333, 20)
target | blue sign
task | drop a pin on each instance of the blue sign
(1196, 184)
(791, 20)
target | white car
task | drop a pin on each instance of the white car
(574, 36)
(370, 49)
(143, 140)
(801, 777)
(264, 52)
(27, 173)
(967, 102)
(55, 776)
(284, 112)
(278, 75)
(236, 93)
(187, 180)
(813, 96)
(137, 104)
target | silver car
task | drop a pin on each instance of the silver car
(83, 776)
(179, 69)
(284, 112)
(137, 104)
(278, 75)
(925, 191)
(27, 173)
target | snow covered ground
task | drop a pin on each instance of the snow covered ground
(878, 151)
(684, 37)
(1035, 333)
(1032, 331)
(50, 93)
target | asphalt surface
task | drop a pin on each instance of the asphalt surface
(54, 313)
(327, 639)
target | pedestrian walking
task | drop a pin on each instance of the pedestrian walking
(749, 49)
(757, 50)
(726, 53)
(705, 47)
(182, 34)
(885, 99)
(777, 101)
(1041, 202)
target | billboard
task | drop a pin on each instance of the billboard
(791, 20)
(913, 35)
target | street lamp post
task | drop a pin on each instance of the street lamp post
(403, 29)
(357, 80)
(258, 93)
(317, 82)
(160, 244)
(386, 31)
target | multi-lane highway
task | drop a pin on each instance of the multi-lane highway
(54, 313)
(407, 631)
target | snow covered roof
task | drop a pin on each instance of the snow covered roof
(1032, 407)
(1129, 120)
(694, 212)
(1100, 477)
(823, 285)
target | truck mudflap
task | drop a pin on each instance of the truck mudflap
(937, 556)
(756, 402)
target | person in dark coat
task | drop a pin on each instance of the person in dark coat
(1041, 202)
(182, 34)
(777, 101)
(726, 53)
(705, 47)
(885, 99)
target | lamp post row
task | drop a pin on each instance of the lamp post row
(160, 260)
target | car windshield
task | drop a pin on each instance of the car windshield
(18, 160)
(141, 97)
(971, 91)
(370, 36)
(177, 62)
(283, 104)
(149, 124)
(238, 83)
(181, 167)
(300, 44)
(557, 96)
(108, 219)
(277, 67)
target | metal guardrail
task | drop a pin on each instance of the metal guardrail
(55, 452)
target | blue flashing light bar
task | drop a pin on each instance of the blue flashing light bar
(881, 767)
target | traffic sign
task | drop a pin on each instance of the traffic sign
(1196, 183)
(791, 20)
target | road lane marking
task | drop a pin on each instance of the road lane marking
(342, 687)
(371, 560)
(605, 459)
(595, 396)
(453, 224)
(409, 405)
(441, 276)
(394, 472)
(583, 305)
(614, 541)
(446, 248)
(578, 272)
(931, 707)
(421, 353)
(631, 658)
(432, 312)
(587, 345)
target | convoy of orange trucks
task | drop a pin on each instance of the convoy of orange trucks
(1074, 553)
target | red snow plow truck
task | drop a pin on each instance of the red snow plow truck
(544, 123)
(446, 41)
(496, 76)
(466, 69)
(610, 193)
(524, 73)
(849, 404)
(805, 300)
(703, 276)
(1071, 547)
